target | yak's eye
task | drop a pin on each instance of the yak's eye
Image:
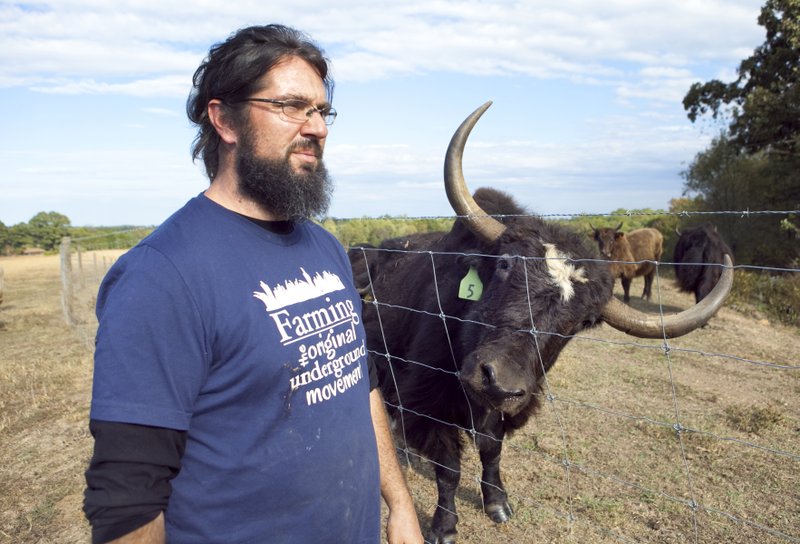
(504, 265)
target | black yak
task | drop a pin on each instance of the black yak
(698, 257)
(464, 325)
(631, 255)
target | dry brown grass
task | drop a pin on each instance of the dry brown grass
(630, 476)
(45, 375)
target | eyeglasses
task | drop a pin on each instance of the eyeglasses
(299, 110)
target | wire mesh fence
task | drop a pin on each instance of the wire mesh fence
(82, 271)
(694, 439)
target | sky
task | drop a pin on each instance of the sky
(587, 112)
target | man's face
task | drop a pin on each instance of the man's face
(279, 159)
(276, 136)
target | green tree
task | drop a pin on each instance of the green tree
(722, 179)
(764, 100)
(755, 164)
(47, 229)
(5, 241)
(18, 237)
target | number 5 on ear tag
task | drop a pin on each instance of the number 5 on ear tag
(471, 287)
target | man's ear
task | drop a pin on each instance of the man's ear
(220, 119)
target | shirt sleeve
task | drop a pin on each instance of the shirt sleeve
(151, 353)
(128, 479)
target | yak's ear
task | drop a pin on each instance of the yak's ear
(618, 235)
(469, 259)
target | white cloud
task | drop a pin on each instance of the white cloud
(160, 86)
(93, 44)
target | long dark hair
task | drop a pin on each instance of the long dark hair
(231, 72)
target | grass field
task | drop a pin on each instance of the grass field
(45, 382)
(697, 443)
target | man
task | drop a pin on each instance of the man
(232, 400)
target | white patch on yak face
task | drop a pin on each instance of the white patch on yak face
(563, 272)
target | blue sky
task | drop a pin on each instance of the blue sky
(586, 115)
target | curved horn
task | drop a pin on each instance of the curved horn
(642, 325)
(485, 227)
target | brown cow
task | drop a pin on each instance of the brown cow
(632, 255)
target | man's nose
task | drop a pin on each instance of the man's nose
(315, 126)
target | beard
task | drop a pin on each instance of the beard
(278, 188)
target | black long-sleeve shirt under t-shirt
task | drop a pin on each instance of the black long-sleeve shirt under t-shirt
(128, 479)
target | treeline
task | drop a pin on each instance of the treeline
(366, 230)
(46, 229)
(352, 232)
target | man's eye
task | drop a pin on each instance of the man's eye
(294, 106)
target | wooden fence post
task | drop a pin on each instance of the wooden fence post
(66, 281)
(79, 252)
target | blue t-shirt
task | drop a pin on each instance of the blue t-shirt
(253, 343)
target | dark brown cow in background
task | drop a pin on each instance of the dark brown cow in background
(631, 255)
(696, 255)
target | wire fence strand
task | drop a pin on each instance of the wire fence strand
(648, 404)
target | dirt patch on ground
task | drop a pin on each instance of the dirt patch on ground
(638, 441)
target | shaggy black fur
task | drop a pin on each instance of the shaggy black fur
(476, 365)
(701, 245)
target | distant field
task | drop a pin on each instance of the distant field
(630, 477)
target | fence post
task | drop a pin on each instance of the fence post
(66, 281)
(79, 252)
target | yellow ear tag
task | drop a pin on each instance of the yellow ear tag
(471, 287)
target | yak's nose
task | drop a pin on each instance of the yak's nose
(489, 374)
(491, 384)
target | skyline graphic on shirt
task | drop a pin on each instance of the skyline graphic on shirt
(299, 290)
